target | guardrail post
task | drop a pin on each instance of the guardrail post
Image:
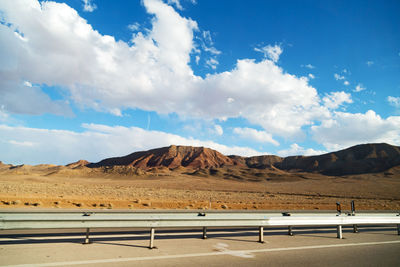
(339, 232)
(261, 234)
(353, 213)
(338, 208)
(87, 241)
(290, 232)
(152, 233)
(204, 232)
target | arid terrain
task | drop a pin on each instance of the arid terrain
(180, 177)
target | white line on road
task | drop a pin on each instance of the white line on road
(67, 263)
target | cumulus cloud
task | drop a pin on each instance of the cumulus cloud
(94, 143)
(270, 52)
(346, 83)
(394, 101)
(24, 98)
(336, 99)
(347, 129)
(152, 72)
(89, 6)
(311, 76)
(255, 135)
(296, 150)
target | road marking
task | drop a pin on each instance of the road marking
(222, 247)
(220, 253)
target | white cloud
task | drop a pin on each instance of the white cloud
(116, 112)
(255, 135)
(338, 77)
(296, 150)
(20, 36)
(24, 98)
(134, 26)
(177, 4)
(26, 83)
(218, 129)
(152, 72)
(88, 5)
(394, 101)
(369, 63)
(336, 99)
(207, 37)
(359, 88)
(346, 83)
(270, 52)
(207, 46)
(62, 147)
(346, 129)
(212, 63)
(21, 143)
(308, 66)
(207, 43)
(211, 50)
(311, 76)
(3, 114)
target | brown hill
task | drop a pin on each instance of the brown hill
(77, 164)
(171, 157)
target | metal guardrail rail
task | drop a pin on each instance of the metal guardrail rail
(202, 219)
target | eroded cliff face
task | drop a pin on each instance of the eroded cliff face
(171, 157)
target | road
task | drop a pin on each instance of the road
(228, 247)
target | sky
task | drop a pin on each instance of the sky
(92, 79)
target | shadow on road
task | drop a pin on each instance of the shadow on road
(107, 237)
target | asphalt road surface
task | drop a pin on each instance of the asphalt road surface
(372, 246)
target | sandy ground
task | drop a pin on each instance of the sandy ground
(370, 192)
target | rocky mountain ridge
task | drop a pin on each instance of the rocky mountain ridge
(201, 161)
(366, 158)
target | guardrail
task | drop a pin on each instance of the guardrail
(203, 219)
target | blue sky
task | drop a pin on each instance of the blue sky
(93, 79)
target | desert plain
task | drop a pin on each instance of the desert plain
(179, 177)
(180, 191)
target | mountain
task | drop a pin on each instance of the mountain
(200, 161)
(171, 157)
(366, 158)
